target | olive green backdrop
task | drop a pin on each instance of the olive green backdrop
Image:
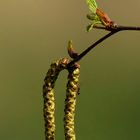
(33, 33)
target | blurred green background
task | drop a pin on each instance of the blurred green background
(33, 33)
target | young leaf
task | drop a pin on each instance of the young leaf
(92, 5)
(91, 26)
(97, 16)
(93, 15)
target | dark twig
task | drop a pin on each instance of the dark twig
(123, 28)
(118, 28)
(80, 56)
(114, 29)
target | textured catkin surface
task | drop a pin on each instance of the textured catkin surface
(49, 100)
(48, 94)
(70, 103)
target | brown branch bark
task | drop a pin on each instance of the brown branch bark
(113, 29)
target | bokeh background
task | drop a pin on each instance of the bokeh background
(33, 33)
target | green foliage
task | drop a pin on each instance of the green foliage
(92, 5)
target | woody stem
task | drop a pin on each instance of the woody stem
(80, 56)
(119, 28)
(113, 29)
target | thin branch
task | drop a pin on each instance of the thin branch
(114, 29)
(80, 56)
(118, 28)
(123, 28)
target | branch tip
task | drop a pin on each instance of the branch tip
(72, 53)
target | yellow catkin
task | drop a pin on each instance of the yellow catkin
(48, 94)
(70, 102)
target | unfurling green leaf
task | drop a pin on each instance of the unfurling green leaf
(93, 15)
(89, 27)
(92, 5)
